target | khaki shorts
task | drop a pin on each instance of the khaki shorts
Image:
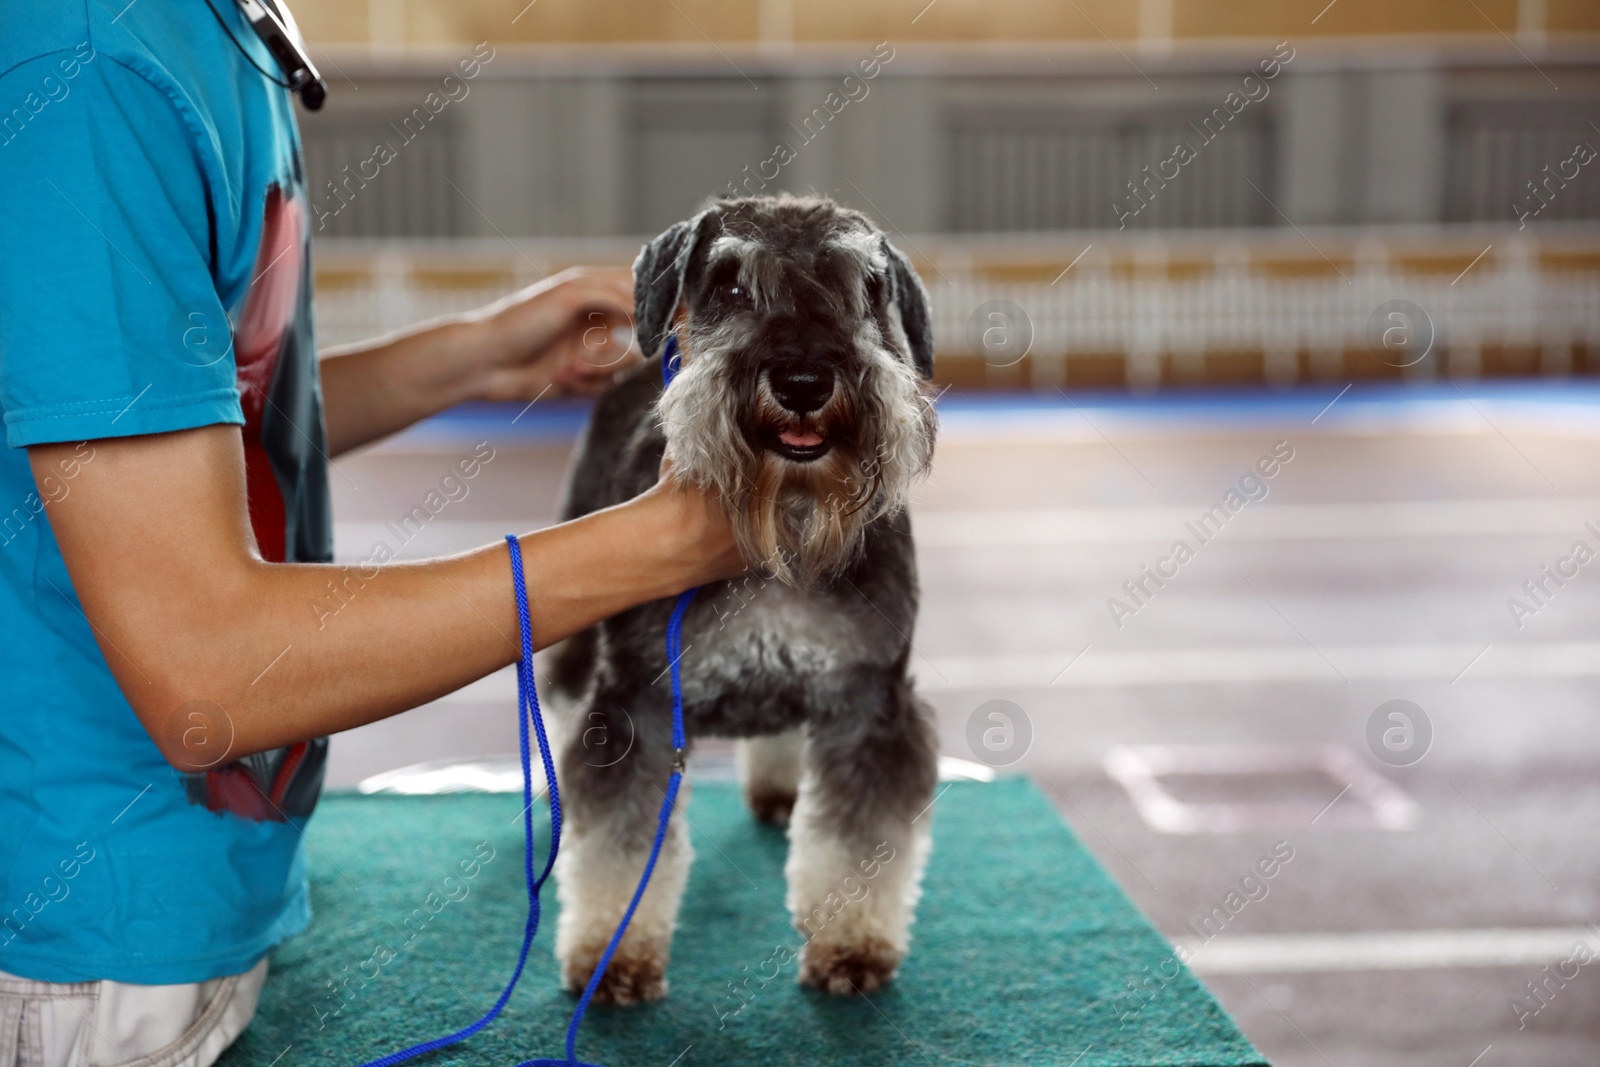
(114, 1024)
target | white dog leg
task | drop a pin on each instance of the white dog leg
(605, 844)
(769, 768)
(860, 835)
(852, 899)
(595, 880)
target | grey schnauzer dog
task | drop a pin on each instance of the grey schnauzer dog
(805, 345)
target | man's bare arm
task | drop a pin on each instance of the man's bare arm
(556, 338)
(156, 537)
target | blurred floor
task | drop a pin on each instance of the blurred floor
(1378, 567)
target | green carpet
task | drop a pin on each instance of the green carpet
(1020, 950)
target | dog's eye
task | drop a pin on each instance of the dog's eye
(736, 294)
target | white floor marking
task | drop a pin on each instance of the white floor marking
(1357, 416)
(1373, 801)
(1265, 664)
(1546, 661)
(503, 774)
(1264, 521)
(1045, 527)
(1390, 950)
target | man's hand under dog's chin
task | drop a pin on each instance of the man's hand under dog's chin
(695, 525)
(569, 335)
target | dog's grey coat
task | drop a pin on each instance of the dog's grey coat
(760, 656)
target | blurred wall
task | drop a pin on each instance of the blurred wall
(1036, 139)
(402, 22)
(610, 117)
(1106, 173)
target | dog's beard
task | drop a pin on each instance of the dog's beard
(802, 523)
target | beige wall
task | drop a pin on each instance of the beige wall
(399, 22)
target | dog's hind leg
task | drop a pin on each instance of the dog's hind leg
(769, 767)
(611, 797)
(859, 835)
(563, 671)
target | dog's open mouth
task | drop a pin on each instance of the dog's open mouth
(799, 442)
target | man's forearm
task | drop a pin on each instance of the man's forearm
(314, 650)
(561, 332)
(157, 542)
(283, 652)
(373, 390)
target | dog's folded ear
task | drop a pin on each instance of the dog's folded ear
(658, 279)
(916, 313)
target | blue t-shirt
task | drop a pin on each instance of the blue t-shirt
(154, 276)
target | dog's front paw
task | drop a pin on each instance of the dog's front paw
(846, 970)
(771, 806)
(629, 979)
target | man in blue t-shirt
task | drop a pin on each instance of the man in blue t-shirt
(164, 524)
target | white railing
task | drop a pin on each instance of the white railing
(1399, 317)
(1510, 299)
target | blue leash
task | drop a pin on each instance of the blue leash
(528, 712)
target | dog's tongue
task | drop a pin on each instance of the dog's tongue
(800, 438)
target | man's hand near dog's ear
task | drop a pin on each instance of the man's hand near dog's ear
(569, 335)
(157, 539)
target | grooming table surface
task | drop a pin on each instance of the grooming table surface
(1020, 948)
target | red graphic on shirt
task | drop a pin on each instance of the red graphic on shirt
(269, 309)
(254, 788)
(283, 783)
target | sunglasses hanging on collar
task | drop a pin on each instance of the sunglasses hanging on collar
(276, 28)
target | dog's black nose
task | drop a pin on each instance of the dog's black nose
(802, 388)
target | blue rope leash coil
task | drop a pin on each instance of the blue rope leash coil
(528, 712)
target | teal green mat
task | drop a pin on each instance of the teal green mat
(1023, 952)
